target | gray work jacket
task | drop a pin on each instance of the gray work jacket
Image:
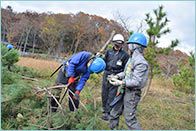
(139, 71)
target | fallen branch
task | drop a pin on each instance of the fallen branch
(79, 101)
(49, 113)
(49, 88)
(54, 98)
(72, 102)
(28, 78)
(36, 88)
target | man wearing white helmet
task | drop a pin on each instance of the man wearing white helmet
(132, 80)
(115, 59)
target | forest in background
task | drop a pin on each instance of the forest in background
(56, 33)
(171, 76)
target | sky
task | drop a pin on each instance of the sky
(180, 13)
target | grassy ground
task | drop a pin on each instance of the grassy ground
(42, 65)
(164, 108)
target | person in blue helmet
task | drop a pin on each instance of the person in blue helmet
(9, 46)
(82, 64)
(132, 80)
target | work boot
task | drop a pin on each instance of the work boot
(116, 128)
(105, 117)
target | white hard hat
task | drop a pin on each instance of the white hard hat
(118, 37)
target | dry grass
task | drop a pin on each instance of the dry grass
(162, 86)
(164, 109)
(42, 65)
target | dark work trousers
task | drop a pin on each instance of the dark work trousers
(108, 93)
(62, 79)
(129, 105)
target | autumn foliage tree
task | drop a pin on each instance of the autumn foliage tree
(56, 33)
(49, 33)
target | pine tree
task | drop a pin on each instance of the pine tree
(156, 28)
(9, 57)
(185, 79)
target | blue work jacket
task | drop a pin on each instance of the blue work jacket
(78, 66)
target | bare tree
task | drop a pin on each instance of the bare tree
(128, 23)
(123, 20)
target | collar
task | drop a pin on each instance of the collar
(117, 50)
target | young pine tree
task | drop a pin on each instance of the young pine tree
(8, 57)
(185, 79)
(157, 27)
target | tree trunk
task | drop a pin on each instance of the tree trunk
(149, 84)
(72, 45)
(20, 41)
(58, 52)
(49, 51)
(34, 42)
(76, 47)
(51, 46)
(3, 34)
(26, 40)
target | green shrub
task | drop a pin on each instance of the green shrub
(94, 78)
(185, 79)
(8, 58)
(8, 77)
(25, 71)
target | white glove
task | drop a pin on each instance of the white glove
(112, 76)
(115, 82)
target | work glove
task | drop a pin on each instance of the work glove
(77, 95)
(116, 82)
(112, 76)
(71, 80)
(121, 91)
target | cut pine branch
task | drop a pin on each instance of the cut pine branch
(28, 78)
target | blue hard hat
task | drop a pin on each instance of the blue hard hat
(97, 66)
(138, 38)
(9, 46)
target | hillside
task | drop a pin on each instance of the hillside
(53, 34)
(169, 63)
(164, 108)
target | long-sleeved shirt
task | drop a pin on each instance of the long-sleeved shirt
(138, 71)
(78, 66)
(115, 60)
